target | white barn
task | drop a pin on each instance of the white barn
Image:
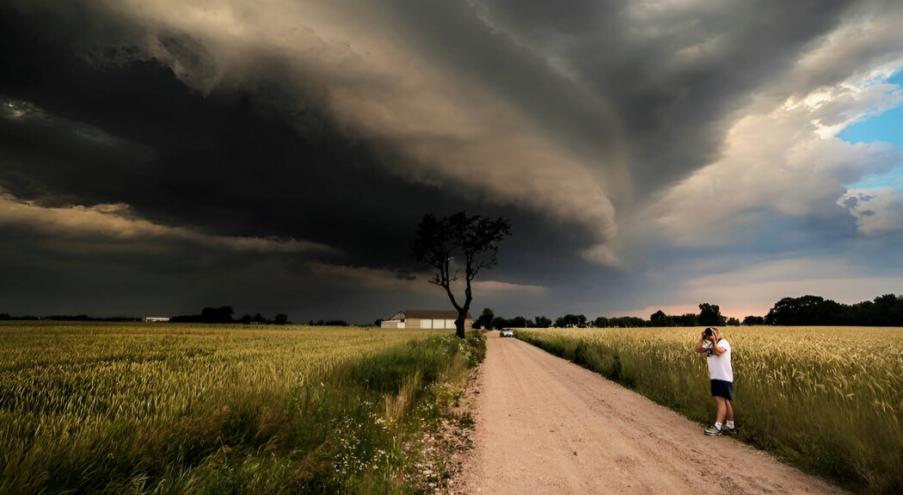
(425, 318)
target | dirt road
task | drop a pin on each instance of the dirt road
(545, 425)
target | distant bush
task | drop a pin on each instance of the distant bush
(328, 323)
(222, 314)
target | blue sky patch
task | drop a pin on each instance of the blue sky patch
(896, 78)
(886, 127)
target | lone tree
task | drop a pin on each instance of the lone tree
(447, 244)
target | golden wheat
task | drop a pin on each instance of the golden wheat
(81, 403)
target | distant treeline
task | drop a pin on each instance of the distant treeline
(7, 316)
(886, 310)
(224, 314)
(709, 315)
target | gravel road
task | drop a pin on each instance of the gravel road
(545, 425)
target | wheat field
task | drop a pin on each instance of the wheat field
(829, 400)
(167, 408)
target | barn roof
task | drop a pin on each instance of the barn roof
(429, 313)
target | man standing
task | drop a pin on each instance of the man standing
(718, 357)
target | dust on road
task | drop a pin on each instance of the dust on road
(545, 425)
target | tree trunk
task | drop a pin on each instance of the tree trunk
(459, 325)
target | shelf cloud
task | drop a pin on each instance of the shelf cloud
(293, 145)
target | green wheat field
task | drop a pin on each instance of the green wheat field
(829, 400)
(166, 408)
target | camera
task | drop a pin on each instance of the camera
(707, 333)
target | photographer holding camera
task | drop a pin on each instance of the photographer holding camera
(718, 357)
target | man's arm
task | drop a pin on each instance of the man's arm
(716, 349)
(700, 346)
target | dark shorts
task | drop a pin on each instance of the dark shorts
(722, 388)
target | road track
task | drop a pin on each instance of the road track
(545, 425)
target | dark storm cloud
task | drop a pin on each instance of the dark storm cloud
(672, 114)
(89, 122)
(673, 73)
(186, 130)
(457, 35)
(238, 161)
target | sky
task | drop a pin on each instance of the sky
(158, 156)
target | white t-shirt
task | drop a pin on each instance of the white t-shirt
(720, 366)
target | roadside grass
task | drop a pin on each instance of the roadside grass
(196, 409)
(829, 400)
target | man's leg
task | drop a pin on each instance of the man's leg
(721, 410)
(729, 424)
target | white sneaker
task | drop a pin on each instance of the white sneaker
(712, 431)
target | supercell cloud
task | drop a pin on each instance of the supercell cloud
(156, 156)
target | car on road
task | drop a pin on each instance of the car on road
(506, 332)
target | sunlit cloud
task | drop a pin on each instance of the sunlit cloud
(786, 159)
(115, 222)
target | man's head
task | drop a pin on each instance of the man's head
(710, 333)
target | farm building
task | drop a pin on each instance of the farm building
(425, 318)
(156, 319)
